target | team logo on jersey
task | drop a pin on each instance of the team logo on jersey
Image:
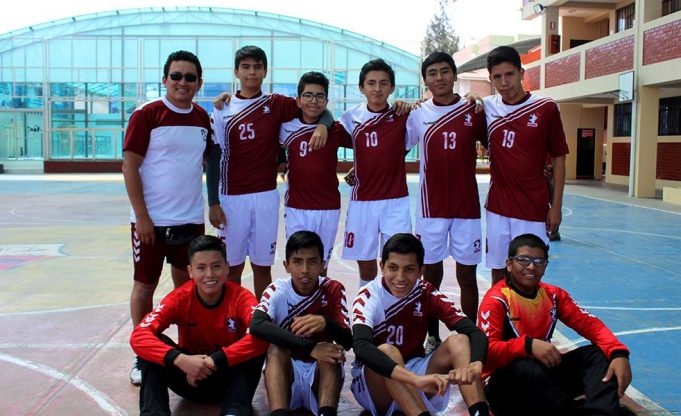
(324, 301)
(417, 309)
(265, 109)
(428, 123)
(468, 120)
(389, 119)
(231, 325)
(533, 120)
(477, 246)
(204, 134)
(273, 247)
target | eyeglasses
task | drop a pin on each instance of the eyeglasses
(189, 77)
(309, 97)
(525, 261)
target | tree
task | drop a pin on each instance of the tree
(439, 34)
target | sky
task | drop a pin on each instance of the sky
(400, 23)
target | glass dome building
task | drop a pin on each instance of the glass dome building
(68, 87)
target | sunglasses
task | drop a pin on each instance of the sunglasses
(177, 76)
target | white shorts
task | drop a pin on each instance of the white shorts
(251, 230)
(324, 222)
(302, 394)
(368, 220)
(465, 239)
(418, 365)
(501, 230)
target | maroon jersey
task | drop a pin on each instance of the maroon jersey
(379, 144)
(283, 304)
(403, 322)
(202, 329)
(509, 318)
(312, 178)
(247, 129)
(520, 136)
(447, 135)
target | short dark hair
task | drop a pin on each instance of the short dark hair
(527, 240)
(436, 58)
(376, 65)
(206, 243)
(303, 239)
(182, 56)
(403, 243)
(250, 51)
(313, 77)
(502, 54)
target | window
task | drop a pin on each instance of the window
(625, 17)
(669, 123)
(623, 120)
(670, 6)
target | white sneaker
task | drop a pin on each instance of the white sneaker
(135, 375)
(431, 345)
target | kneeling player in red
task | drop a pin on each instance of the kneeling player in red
(519, 315)
(302, 316)
(215, 359)
(390, 317)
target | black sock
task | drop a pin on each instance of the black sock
(424, 414)
(479, 409)
(279, 412)
(327, 411)
(434, 329)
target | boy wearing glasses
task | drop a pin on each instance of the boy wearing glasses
(519, 315)
(247, 129)
(309, 169)
(165, 145)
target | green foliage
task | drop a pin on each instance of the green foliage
(440, 35)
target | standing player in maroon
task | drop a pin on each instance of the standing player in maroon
(247, 129)
(522, 129)
(305, 319)
(312, 199)
(379, 206)
(215, 359)
(165, 145)
(446, 128)
(389, 319)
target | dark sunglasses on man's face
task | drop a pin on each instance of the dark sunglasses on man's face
(189, 77)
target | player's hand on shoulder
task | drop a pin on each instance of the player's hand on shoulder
(328, 352)
(473, 97)
(217, 217)
(418, 103)
(144, 227)
(350, 177)
(307, 325)
(432, 383)
(319, 136)
(546, 352)
(401, 107)
(621, 369)
(221, 100)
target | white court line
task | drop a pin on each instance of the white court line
(61, 310)
(572, 343)
(70, 346)
(624, 308)
(102, 400)
(623, 203)
(615, 230)
(339, 259)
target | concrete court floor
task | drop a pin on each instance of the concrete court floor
(65, 267)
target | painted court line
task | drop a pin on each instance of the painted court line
(102, 400)
(623, 203)
(615, 230)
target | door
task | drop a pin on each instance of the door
(586, 139)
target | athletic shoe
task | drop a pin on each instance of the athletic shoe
(135, 375)
(431, 344)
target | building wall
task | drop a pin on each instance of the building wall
(577, 28)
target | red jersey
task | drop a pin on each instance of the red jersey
(447, 135)
(173, 142)
(403, 322)
(247, 129)
(509, 318)
(520, 136)
(312, 178)
(202, 329)
(379, 145)
(283, 304)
